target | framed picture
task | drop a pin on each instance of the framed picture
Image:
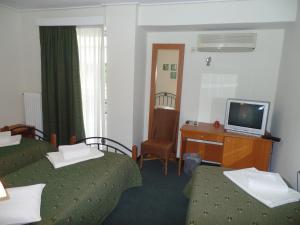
(165, 66)
(173, 75)
(173, 67)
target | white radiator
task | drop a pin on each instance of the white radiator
(33, 110)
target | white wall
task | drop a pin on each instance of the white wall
(281, 10)
(20, 48)
(286, 120)
(125, 52)
(253, 75)
(121, 29)
(11, 107)
(139, 87)
(218, 12)
(31, 60)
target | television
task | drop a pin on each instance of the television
(246, 116)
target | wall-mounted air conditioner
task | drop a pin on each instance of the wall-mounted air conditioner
(227, 42)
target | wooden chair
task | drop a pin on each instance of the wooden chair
(162, 141)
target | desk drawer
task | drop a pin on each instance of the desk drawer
(208, 152)
(206, 137)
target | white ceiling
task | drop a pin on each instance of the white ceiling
(40, 4)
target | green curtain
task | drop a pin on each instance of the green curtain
(61, 91)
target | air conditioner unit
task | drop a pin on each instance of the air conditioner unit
(227, 42)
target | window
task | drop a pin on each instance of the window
(91, 62)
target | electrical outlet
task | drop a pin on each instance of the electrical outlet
(193, 49)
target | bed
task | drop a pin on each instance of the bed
(82, 193)
(29, 150)
(214, 199)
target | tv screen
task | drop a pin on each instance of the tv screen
(246, 115)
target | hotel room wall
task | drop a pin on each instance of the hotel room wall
(218, 12)
(20, 56)
(26, 42)
(253, 75)
(121, 24)
(139, 86)
(121, 44)
(121, 32)
(31, 61)
(11, 109)
(286, 117)
(30, 58)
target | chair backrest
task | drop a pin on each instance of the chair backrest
(165, 124)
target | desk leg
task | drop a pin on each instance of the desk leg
(182, 150)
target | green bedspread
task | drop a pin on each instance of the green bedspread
(214, 199)
(83, 193)
(15, 157)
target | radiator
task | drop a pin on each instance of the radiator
(33, 110)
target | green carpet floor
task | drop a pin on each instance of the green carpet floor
(159, 201)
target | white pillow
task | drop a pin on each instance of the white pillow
(23, 205)
(5, 133)
(10, 140)
(5, 137)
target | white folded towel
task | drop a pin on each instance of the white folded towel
(5, 133)
(10, 140)
(72, 147)
(74, 151)
(58, 161)
(266, 182)
(270, 198)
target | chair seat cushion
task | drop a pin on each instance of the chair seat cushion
(157, 147)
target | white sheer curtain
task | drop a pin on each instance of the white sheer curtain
(90, 46)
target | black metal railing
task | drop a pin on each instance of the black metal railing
(165, 99)
(106, 144)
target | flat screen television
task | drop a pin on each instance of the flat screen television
(246, 116)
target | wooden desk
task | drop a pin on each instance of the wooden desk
(231, 150)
